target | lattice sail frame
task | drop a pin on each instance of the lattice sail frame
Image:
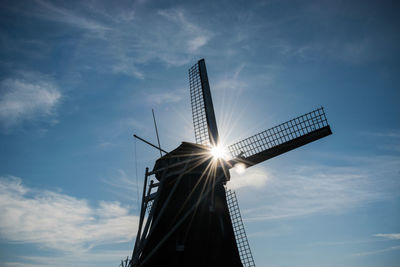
(205, 126)
(280, 134)
(238, 228)
(198, 106)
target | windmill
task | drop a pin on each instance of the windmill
(188, 217)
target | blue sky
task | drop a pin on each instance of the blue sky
(77, 79)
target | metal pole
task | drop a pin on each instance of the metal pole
(141, 139)
(155, 126)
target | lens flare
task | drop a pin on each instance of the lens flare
(218, 152)
(240, 168)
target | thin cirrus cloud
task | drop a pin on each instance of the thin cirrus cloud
(389, 236)
(137, 41)
(193, 36)
(125, 42)
(48, 11)
(252, 177)
(57, 221)
(86, 258)
(168, 36)
(300, 191)
(26, 97)
(129, 43)
(367, 253)
(164, 97)
(124, 187)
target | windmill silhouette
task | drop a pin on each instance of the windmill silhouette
(188, 217)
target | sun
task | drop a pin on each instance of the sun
(218, 152)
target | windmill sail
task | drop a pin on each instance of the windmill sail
(206, 133)
(282, 138)
(205, 125)
(238, 228)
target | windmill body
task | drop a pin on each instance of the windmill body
(192, 220)
(195, 204)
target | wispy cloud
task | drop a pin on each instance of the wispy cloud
(123, 186)
(86, 258)
(231, 81)
(127, 66)
(49, 11)
(372, 252)
(27, 96)
(123, 39)
(171, 38)
(299, 191)
(229, 84)
(384, 237)
(360, 50)
(252, 177)
(120, 37)
(164, 97)
(196, 37)
(392, 134)
(389, 236)
(388, 140)
(57, 221)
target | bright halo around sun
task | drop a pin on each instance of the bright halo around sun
(239, 168)
(218, 152)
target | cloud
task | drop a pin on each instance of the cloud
(27, 97)
(392, 236)
(166, 35)
(196, 37)
(58, 221)
(390, 134)
(387, 140)
(230, 85)
(230, 81)
(197, 42)
(252, 177)
(124, 187)
(367, 253)
(164, 97)
(389, 236)
(126, 66)
(300, 191)
(359, 51)
(87, 259)
(123, 39)
(51, 12)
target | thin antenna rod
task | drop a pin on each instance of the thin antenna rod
(141, 139)
(155, 126)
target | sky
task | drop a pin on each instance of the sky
(79, 78)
